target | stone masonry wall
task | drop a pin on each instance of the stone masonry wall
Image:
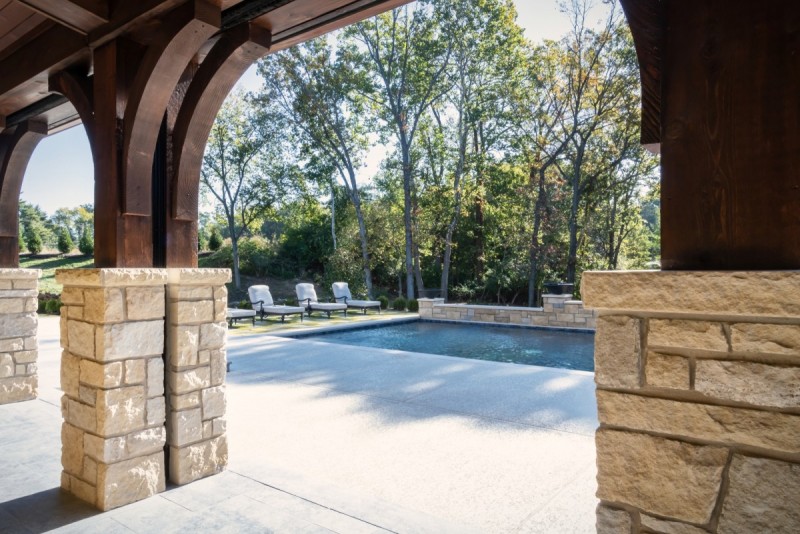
(112, 375)
(18, 345)
(558, 311)
(698, 392)
(196, 367)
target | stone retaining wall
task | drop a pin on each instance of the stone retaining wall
(558, 311)
(698, 391)
(18, 345)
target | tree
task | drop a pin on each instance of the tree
(65, 243)
(214, 240)
(86, 243)
(406, 59)
(241, 155)
(316, 89)
(33, 240)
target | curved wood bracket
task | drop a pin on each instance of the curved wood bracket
(231, 56)
(185, 31)
(78, 89)
(16, 147)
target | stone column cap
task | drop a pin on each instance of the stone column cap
(198, 277)
(20, 274)
(727, 293)
(111, 277)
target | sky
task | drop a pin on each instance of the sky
(60, 173)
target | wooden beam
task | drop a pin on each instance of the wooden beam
(16, 146)
(78, 89)
(730, 147)
(81, 16)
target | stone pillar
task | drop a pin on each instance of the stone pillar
(18, 347)
(112, 375)
(698, 392)
(196, 367)
(426, 307)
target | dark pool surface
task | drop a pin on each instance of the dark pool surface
(550, 348)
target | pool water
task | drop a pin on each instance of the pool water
(549, 348)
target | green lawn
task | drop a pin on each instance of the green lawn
(48, 263)
(273, 324)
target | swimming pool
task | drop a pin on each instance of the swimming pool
(549, 348)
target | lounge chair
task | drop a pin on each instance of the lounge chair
(261, 299)
(341, 292)
(308, 296)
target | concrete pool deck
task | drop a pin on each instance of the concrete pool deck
(346, 439)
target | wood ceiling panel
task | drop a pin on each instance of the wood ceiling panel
(8, 38)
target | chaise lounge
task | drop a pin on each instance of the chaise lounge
(341, 292)
(262, 302)
(308, 295)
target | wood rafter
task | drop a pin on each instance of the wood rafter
(78, 15)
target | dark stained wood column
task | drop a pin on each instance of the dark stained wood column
(730, 135)
(16, 147)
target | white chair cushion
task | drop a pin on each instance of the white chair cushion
(304, 292)
(363, 303)
(328, 306)
(260, 293)
(283, 309)
(341, 290)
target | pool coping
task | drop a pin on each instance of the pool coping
(319, 330)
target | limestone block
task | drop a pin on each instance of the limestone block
(25, 284)
(742, 426)
(763, 496)
(78, 414)
(703, 335)
(204, 357)
(16, 305)
(218, 367)
(213, 402)
(156, 411)
(120, 411)
(100, 375)
(191, 463)
(30, 343)
(145, 303)
(135, 371)
(71, 449)
(71, 296)
(87, 395)
(669, 527)
(20, 370)
(110, 450)
(63, 336)
(81, 338)
(212, 335)
(11, 344)
(184, 402)
(25, 356)
(103, 305)
(178, 292)
(6, 284)
(219, 425)
(155, 377)
(611, 521)
(18, 324)
(183, 343)
(6, 365)
(191, 312)
(660, 476)
(128, 340)
(199, 277)
(70, 374)
(83, 490)
(73, 312)
(565, 317)
(115, 277)
(129, 481)
(90, 470)
(617, 347)
(220, 309)
(31, 305)
(221, 292)
(766, 338)
(145, 441)
(667, 371)
(208, 429)
(753, 383)
(185, 427)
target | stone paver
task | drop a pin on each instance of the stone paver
(344, 439)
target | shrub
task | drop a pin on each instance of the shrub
(65, 244)
(202, 241)
(384, 302)
(413, 305)
(399, 304)
(214, 240)
(245, 304)
(33, 242)
(86, 243)
(53, 306)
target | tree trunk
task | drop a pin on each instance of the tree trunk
(407, 220)
(418, 270)
(535, 245)
(333, 215)
(451, 228)
(234, 252)
(362, 233)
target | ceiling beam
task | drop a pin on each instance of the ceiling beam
(81, 16)
(249, 10)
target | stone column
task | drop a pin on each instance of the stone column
(18, 347)
(196, 367)
(112, 375)
(426, 307)
(698, 392)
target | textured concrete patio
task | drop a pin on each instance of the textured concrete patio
(345, 439)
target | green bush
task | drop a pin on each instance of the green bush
(33, 242)
(384, 302)
(413, 305)
(53, 306)
(245, 304)
(399, 304)
(41, 307)
(215, 240)
(65, 244)
(86, 243)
